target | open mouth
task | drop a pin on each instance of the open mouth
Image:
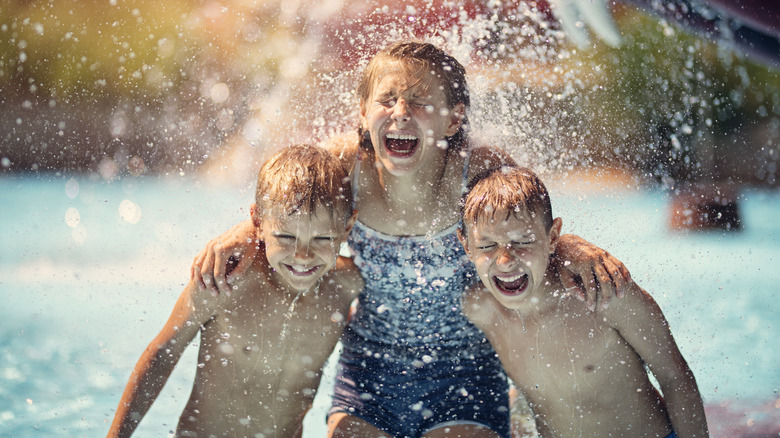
(301, 271)
(514, 285)
(400, 145)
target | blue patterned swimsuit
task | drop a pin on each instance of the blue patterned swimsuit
(411, 360)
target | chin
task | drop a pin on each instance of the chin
(302, 286)
(299, 283)
(514, 302)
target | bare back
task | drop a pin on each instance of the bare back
(578, 373)
(261, 356)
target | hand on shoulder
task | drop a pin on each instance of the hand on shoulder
(204, 304)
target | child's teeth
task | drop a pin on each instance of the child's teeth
(401, 137)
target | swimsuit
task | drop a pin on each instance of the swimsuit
(411, 361)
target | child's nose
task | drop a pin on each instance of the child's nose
(401, 110)
(302, 251)
(505, 256)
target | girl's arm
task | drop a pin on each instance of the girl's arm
(642, 324)
(589, 271)
(193, 309)
(225, 259)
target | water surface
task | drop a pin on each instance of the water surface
(89, 271)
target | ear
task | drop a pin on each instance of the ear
(255, 215)
(555, 233)
(351, 222)
(464, 241)
(363, 120)
(457, 114)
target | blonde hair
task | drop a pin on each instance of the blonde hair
(505, 190)
(301, 178)
(414, 57)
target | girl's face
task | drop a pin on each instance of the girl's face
(408, 120)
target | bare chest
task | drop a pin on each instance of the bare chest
(272, 337)
(559, 356)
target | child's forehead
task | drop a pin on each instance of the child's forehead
(398, 77)
(508, 221)
(289, 216)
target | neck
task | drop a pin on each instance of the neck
(419, 188)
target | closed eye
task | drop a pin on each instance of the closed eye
(387, 101)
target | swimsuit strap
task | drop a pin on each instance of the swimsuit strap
(356, 178)
(464, 183)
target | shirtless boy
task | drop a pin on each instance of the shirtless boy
(582, 372)
(263, 346)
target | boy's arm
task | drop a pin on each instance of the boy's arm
(192, 310)
(642, 324)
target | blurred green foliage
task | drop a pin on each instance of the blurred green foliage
(84, 79)
(666, 101)
(70, 47)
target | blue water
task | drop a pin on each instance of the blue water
(89, 271)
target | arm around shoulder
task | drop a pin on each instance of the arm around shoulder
(225, 258)
(152, 370)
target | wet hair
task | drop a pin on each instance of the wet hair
(301, 178)
(415, 57)
(505, 190)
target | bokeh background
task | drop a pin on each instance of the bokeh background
(131, 133)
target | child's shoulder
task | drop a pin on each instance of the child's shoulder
(256, 278)
(344, 279)
(343, 146)
(636, 307)
(484, 157)
(478, 305)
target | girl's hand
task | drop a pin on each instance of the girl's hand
(225, 259)
(589, 271)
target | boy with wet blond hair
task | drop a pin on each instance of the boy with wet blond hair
(263, 345)
(582, 372)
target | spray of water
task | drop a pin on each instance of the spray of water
(213, 87)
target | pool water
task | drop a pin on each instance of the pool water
(89, 271)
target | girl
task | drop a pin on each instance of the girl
(412, 365)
